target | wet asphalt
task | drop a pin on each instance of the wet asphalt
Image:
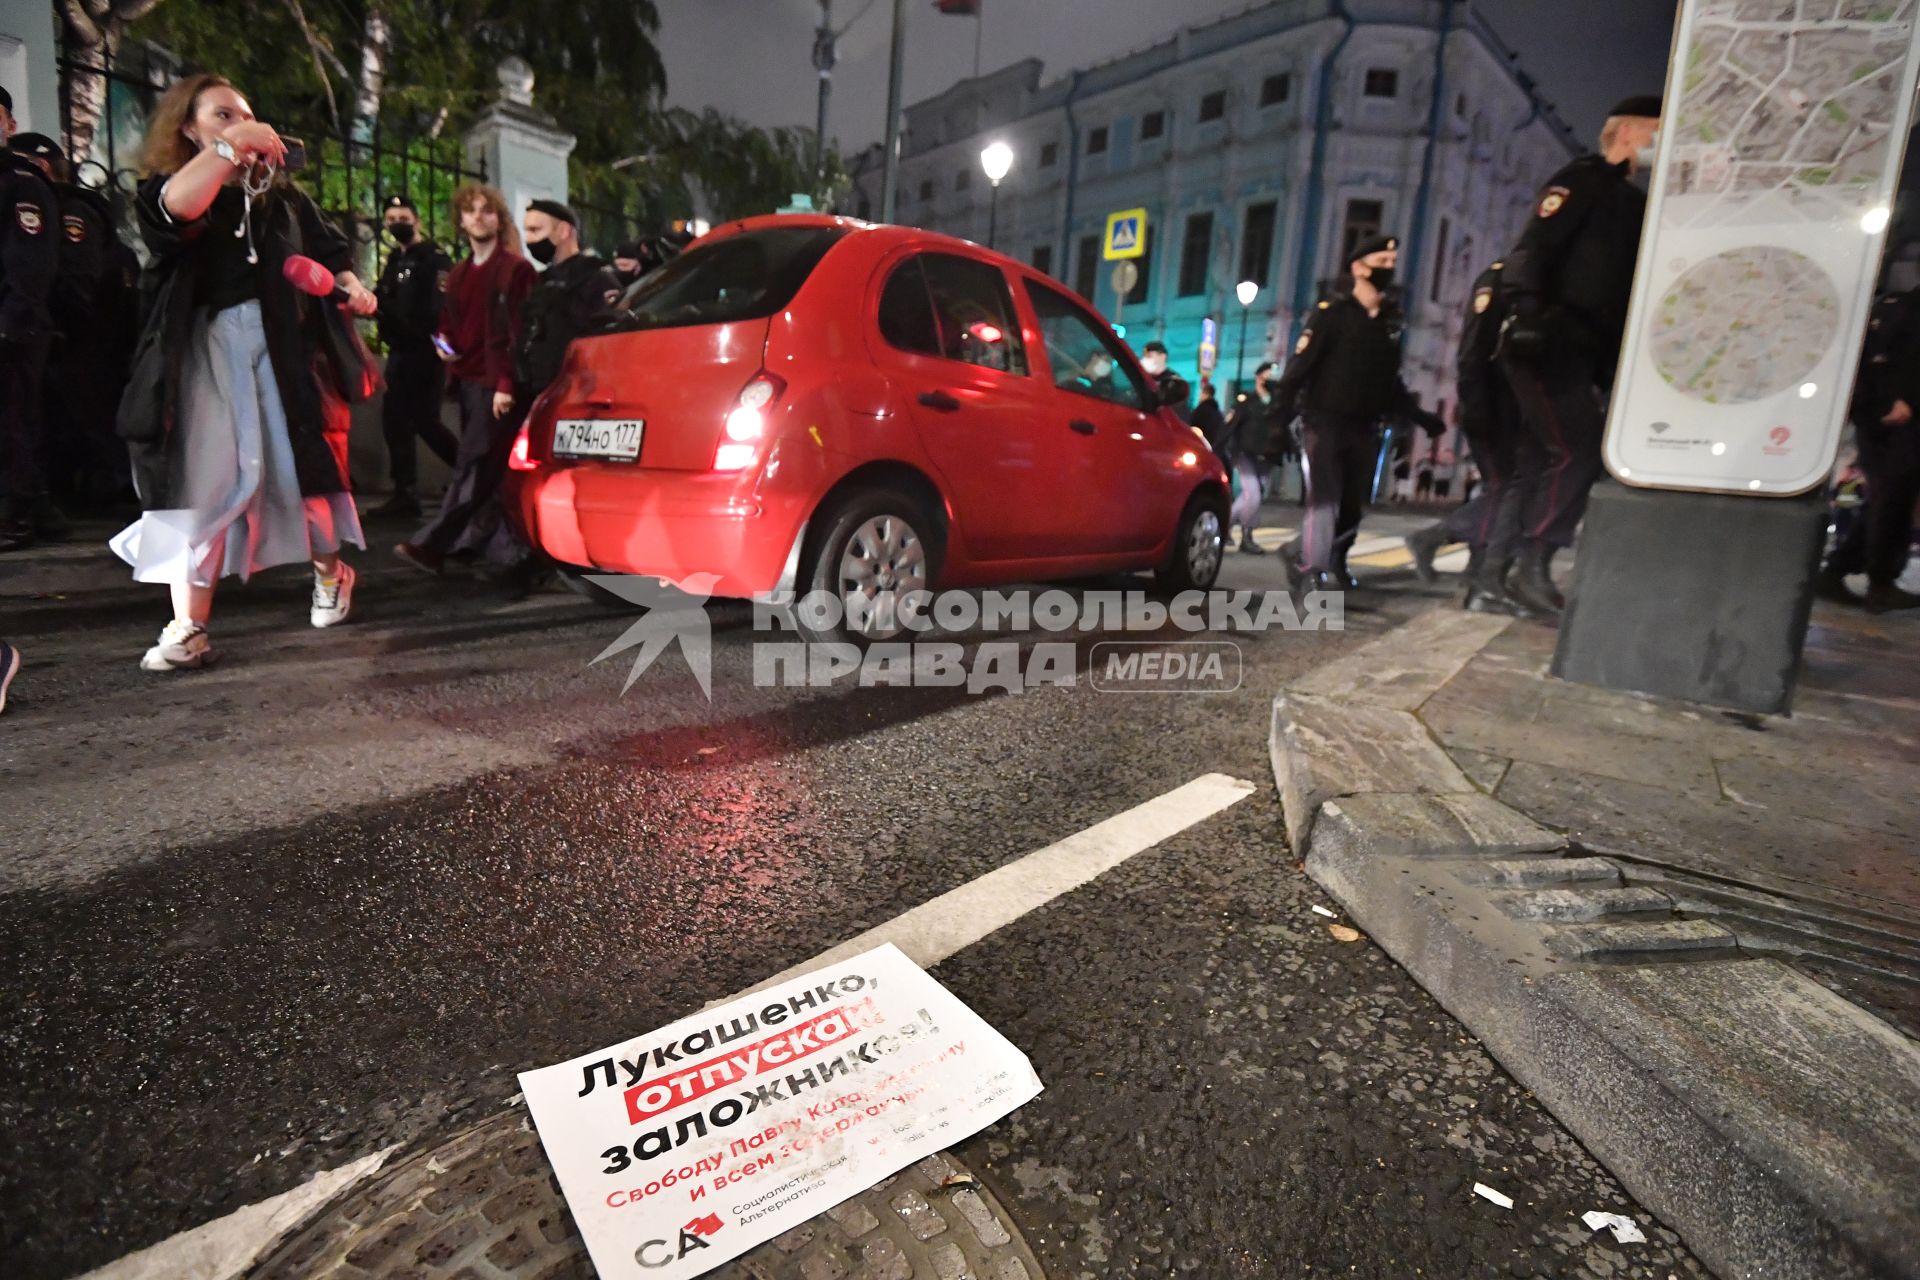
(332, 894)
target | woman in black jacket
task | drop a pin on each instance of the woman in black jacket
(234, 414)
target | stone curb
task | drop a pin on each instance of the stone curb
(1770, 1122)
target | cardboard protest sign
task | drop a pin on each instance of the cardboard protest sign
(683, 1148)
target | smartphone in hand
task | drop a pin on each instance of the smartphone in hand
(444, 347)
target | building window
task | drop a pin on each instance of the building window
(1382, 82)
(1042, 259)
(1097, 141)
(1152, 125)
(926, 188)
(1460, 106)
(1143, 287)
(1085, 265)
(1362, 224)
(1196, 249)
(1440, 261)
(1256, 246)
(962, 180)
(1275, 90)
(1049, 154)
(1213, 106)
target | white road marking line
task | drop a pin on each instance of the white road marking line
(929, 933)
(934, 930)
(227, 1246)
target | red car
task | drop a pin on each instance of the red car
(819, 404)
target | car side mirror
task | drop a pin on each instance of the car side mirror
(1174, 393)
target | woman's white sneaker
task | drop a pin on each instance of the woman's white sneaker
(182, 646)
(332, 601)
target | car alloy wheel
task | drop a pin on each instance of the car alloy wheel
(1206, 543)
(882, 576)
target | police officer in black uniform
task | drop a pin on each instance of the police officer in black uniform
(86, 369)
(1344, 379)
(29, 264)
(1568, 282)
(1508, 459)
(1886, 424)
(410, 292)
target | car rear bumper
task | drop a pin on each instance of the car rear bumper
(663, 524)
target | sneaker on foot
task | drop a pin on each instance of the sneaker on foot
(182, 646)
(332, 601)
(422, 558)
(1885, 597)
(9, 668)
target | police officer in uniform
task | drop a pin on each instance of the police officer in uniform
(410, 292)
(1886, 425)
(87, 365)
(1508, 460)
(1344, 378)
(1567, 283)
(29, 264)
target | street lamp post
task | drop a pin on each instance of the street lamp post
(1246, 291)
(997, 160)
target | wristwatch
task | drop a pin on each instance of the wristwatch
(224, 149)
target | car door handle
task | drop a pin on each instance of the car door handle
(1084, 427)
(939, 400)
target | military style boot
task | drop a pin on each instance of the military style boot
(1533, 580)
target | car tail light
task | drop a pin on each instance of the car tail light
(522, 459)
(747, 423)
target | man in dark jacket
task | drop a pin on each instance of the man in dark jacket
(1886, 400)
(87, 364)
(1568, 282)
(1344, 378)
(410, 296)
(1250, 435)
(29, 264)
(1508, 461)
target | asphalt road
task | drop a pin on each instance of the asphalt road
(331, 895)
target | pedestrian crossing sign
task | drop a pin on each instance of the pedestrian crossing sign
(1126, 234)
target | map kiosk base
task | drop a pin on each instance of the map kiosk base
(1703, 597)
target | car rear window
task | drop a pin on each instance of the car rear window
(748, 276)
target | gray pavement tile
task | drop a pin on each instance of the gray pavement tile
(1870, 795)
(1483, 770)
(1398, 825)
(1406, 667)
(1323, 748)
(1629, 757)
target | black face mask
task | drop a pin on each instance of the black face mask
(1382, 278)
(402, 232)
(541, 251)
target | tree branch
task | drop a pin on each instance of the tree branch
(314, 50)
(85, 30)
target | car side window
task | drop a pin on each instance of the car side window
(974, 311)
(1085, 356)
(906, 311)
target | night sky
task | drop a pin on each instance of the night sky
(752, 57)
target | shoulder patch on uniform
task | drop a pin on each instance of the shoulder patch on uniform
(1482, 299)
(76, 227)
(1554, 201)
(1498, 266)
(1306, 340)
(1325, 305)
(27, 216)
(612, 296)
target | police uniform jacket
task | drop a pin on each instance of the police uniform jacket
(29, 248)
(1476, 369)
(1890, 360)
(285, 222)
(410, 293)
(87, 268)
(1573, 266)
(1346, 364)
(569, 299)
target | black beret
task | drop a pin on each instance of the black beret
(1155, 345)
(6, 99)
(1646, 107)
(39, 144)
(555, 210)
(632, 250)
(1367, 248)
(401, 202)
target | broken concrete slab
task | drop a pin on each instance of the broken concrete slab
(1612, 941)
(1465, 824)
(1323, 749)
(1409, 664)
(1658, 762)
(1582, 904)
(1537, 872)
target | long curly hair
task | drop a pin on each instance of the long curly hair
(167, 149)
(472, 193)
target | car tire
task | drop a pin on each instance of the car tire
(887, 532)
(1199, 546)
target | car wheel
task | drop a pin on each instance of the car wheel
(1199, 542)
(875, 558)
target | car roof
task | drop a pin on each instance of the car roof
(879, 236)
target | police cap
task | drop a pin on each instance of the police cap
(555, 210)
(1379, 244)
(1155, 345)
(41, 147)
(6, 100)
(1644, 107)
(401, 202)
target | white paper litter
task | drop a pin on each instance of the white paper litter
(1320, 910)
(1623, 1228)
(1486, 1192)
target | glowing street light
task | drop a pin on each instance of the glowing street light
(1246, 291)
(997, 160)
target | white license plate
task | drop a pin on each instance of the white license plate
(616, 438)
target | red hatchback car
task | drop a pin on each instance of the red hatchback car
(811, 403)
